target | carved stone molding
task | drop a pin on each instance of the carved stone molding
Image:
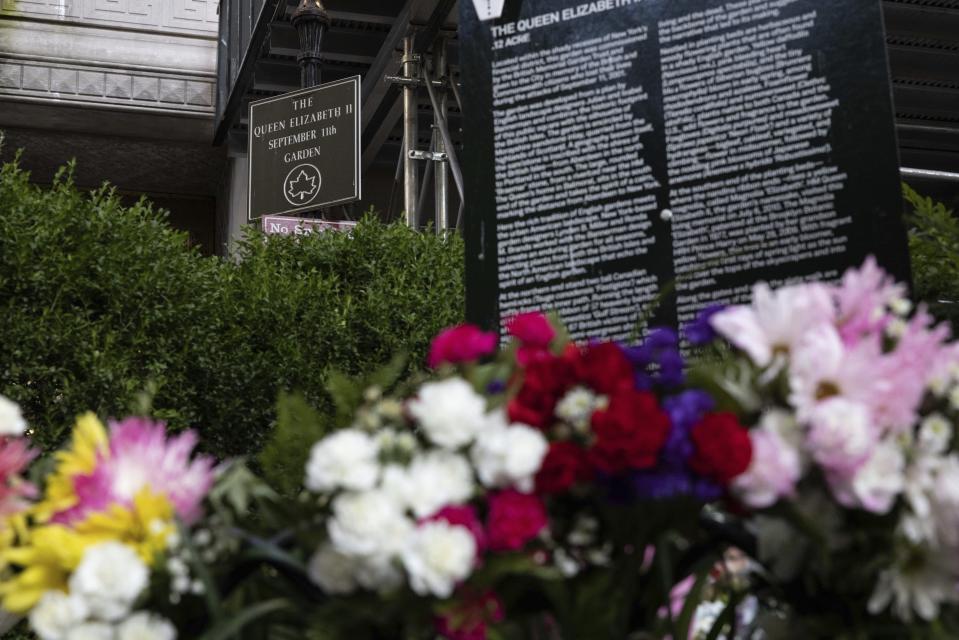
(165, 16)
(87, 84)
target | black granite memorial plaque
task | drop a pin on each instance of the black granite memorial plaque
(619, 146)
(305, 149)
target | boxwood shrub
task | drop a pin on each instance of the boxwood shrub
(105, 307)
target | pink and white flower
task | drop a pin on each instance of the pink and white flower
(776, 321)
(141, 456)
(776, 464)
(841, 436)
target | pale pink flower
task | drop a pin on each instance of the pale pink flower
(876, 484)
(142, 456)
(862, 298)
(776, 321)
(775, 467)
(15, 455)
(841, 436)
(823, 367)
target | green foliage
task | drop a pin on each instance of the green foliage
(934, 246)
(100, 302)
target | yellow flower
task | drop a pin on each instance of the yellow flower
(80, 458)
(146, 528)
(51, 553)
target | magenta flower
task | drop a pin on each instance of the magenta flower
(15, 455)
(141, 455)
(462, 343)
(532, 329)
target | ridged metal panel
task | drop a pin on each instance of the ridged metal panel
(923, 39)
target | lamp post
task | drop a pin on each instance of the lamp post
(311, 21)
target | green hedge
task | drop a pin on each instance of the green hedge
(934, 247)
(99, 302)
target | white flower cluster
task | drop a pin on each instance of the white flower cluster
(925, 574)
(577, 408)
(99, 605)
(11, 419)
(379, 529)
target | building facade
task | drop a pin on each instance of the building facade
(127, 87)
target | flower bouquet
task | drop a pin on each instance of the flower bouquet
(853, 488)
(547, 489)
(119, 545)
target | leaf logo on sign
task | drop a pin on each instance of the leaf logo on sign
(489, 9)
(303, 186)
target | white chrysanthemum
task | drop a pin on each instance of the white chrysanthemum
(92, 631)
(450, 412)
(109, 579)
(935, 434)
(146, 626)
(333, 571)
(432, 481)
(368, 523)
(945, 500)
(508, 455)
(877, 483)
(56, 613)
(346, 459)
(11, 419)
(439, 556)
(918, 587)
(577, 407)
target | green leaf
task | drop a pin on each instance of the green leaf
(230, 629)
(298, 427)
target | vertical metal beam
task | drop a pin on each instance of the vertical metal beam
(410, 133)
(442, 184)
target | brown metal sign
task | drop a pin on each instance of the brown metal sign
(305, 149)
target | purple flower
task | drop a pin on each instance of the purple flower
(657, 360)
(662, 485)
(700, 332)
(672, 477)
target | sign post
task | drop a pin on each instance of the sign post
(616, 147)
(305, 150)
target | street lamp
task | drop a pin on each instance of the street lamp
(311, 21)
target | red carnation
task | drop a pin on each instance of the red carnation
(466, 619)
(630, 432)
(462, 343)
(565, 464)
(533, 409)
(605, 368)
(531, 329)
(514, 519)
(545, 380)
(723, 448)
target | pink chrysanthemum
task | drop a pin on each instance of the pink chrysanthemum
(141, 455)
(862, 298)
(15, 455)
(909, 369)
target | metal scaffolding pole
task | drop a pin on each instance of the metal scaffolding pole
(442, 180)
(410, 133)
(443, 125)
